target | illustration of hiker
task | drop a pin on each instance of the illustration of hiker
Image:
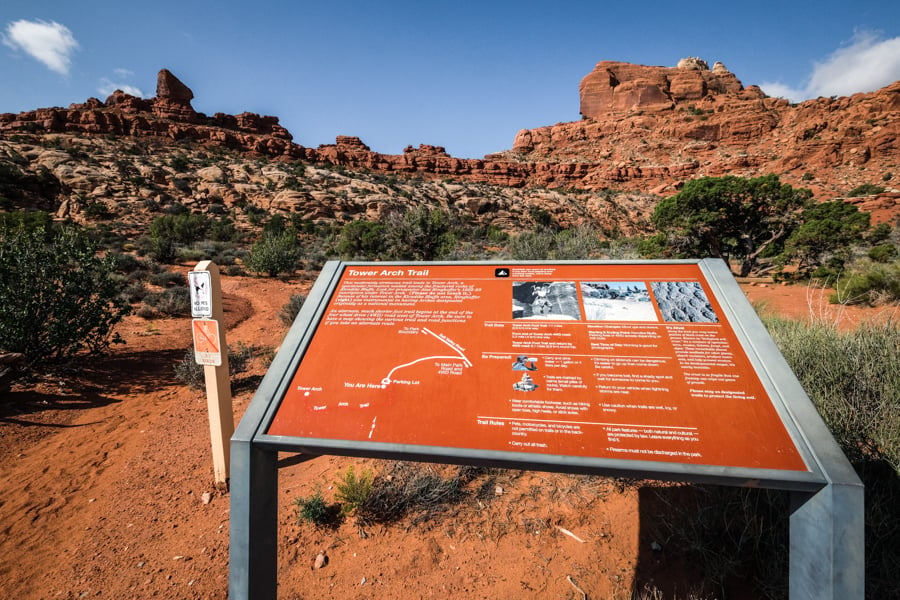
(523, 363)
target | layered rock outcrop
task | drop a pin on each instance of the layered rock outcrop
(168, 116)
(643, 128)
(617, 86)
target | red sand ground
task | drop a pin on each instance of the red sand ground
(104, 472)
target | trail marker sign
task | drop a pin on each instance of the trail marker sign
(200, 284)
(207, 343)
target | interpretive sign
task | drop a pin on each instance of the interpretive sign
(604, 361)
(653, 369)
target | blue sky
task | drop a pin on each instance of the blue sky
(465, 75)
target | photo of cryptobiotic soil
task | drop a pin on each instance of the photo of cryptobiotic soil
(683, 301)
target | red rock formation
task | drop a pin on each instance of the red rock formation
(173, 99)
(616, 86)
(645, 128)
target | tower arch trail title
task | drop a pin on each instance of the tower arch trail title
(610, 360)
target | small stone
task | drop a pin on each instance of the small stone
(321, 560)
(498, 490)
(206, 498)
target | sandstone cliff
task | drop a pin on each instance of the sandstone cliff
(643, 128)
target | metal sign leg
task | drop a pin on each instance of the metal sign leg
(253, 545)
(827, 551)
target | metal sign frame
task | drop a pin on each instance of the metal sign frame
(827, 511)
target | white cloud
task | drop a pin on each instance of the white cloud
(866, 64)
(107, 87)
(50, 43)
(123, 73)
(779, 90)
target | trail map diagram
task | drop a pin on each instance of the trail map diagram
(439, 337)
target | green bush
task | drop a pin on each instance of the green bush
(168, 279)
(411, 488)
(315, 510)
(866, 189)
(352, 489)
(580, 243)
(289, 311)
(422, 233)
(173, 302)
(873, 285)
(191, 374)
(223, 230)
(854, 380)
(878, 234)
(274, 254)
(182, 228)
(882, 253)
(363, 240)
(57, 297)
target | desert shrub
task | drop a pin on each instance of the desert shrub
(872, 284)
(422, 233)
(274, 254)
(580, 243)
(179, 162)
(255, 214)
(239, 358)
(276, 225)
(135, 292)
(163, 249)
(353, 490)
(181, 228)
(31, 221)
(532, 245)
(190, 255)
(289, 311)
(191, 374)
(878, 234)
(97, 209)
(127, 263)
(362, 240)
(410, 488)
(57, 297)
(168, 279)
(882, 253)
(854, 380)
(174, 302)
(541, 218)
(732, 535)
(223, 230)
(866, 189)
(315, 510)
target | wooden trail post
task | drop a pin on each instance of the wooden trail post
(211, 351)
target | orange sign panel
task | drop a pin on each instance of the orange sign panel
(612, 361)
(207, 346)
